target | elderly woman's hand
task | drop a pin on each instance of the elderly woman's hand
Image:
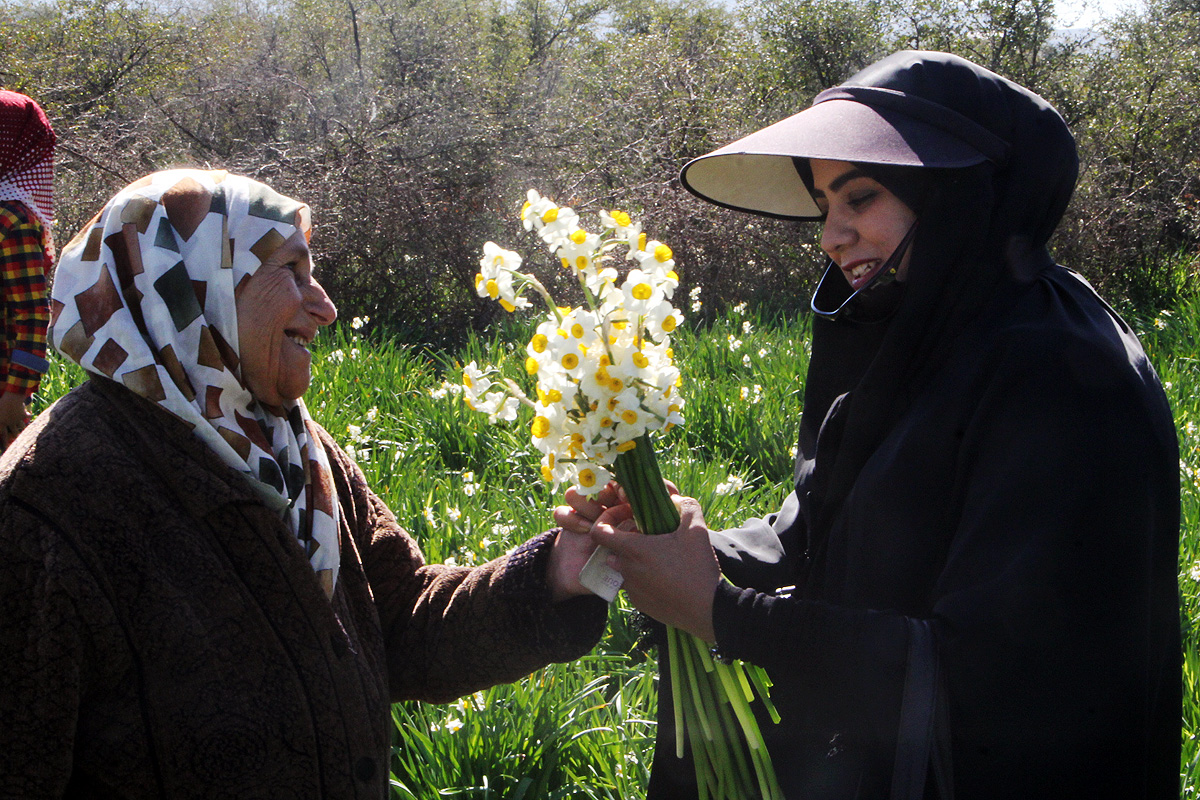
(673, 576)
(574, 545)
(582, 510)
(570, 552)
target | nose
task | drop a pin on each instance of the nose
(318, 304)
(836, 234)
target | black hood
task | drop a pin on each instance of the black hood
(982, 234)
(1033, 180)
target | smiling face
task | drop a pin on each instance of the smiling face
(279, 310)
(864, 222)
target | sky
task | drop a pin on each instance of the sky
(1084, 13)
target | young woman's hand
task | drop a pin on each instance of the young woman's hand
(673, 576)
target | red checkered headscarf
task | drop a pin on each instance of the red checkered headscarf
(26, 155)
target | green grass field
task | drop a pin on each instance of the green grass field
(469, 491)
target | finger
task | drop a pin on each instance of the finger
(691, 515)
(583, 505)
(566, 518)
(610, 495)
(612, 537)
(616, 515)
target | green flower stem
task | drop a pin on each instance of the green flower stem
(711, 700)
(676, 690)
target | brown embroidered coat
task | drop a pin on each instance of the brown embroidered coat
(162, 634)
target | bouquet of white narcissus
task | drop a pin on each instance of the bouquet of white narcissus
(605, 372)
(605, 380)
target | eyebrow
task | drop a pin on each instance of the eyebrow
(841, 180)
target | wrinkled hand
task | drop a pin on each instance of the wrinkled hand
(13, 417)
(567, 557)
(673, 576)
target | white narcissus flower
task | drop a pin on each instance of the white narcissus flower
(497, 269)
(641, 293)
(557, 225)
(475, 384)
(632, 419)
(590, 477)
(536, 209)
(662, 320)
(578, 250)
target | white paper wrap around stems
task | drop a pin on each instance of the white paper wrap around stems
(599, 577)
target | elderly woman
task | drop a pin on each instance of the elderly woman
(971, 590)
(199, 594)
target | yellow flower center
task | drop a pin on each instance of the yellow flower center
(629, 416)
(540, 427)
(625, 447)
(579, 236)
(616, 385)
(507, 306)
(668, 324)
(581, 263)
(570, 361)
(621, 218)
(539, 342)
(493, 289)
(642, 291)
(550, 215)
(673, 275)
(478, 279)
(662, 254)
(587, 478)
(641, 241)
(577, 331)
(640, 360)
(531, 365)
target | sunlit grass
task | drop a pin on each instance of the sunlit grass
(469, 491)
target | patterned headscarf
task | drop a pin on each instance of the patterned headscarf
(26, 155)
(145, 295)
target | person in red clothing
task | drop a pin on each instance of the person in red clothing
(26, 253)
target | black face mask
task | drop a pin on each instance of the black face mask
(874, 301)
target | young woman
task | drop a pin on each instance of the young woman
(972, 588)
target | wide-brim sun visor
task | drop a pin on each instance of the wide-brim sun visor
(757, 173)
